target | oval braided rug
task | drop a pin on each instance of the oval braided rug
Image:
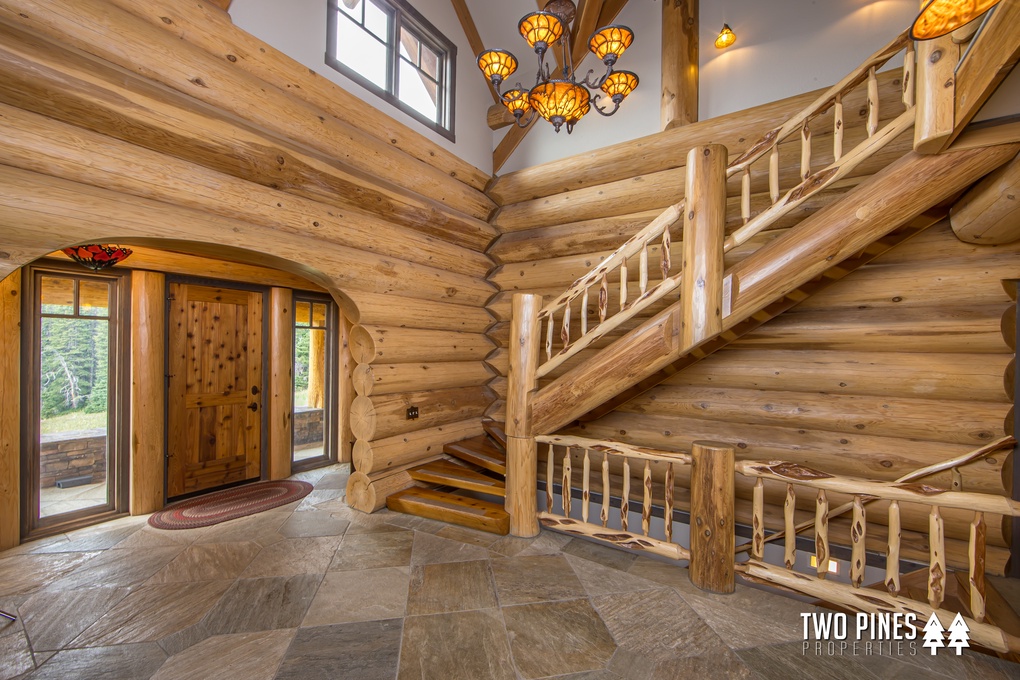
(221, 506)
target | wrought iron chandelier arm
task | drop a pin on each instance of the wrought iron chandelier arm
(616, 104)
(524, 121)
(594, 85)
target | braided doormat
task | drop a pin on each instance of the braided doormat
(221, 506)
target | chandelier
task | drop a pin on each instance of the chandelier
(563, 100)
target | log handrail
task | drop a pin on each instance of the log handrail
(864, 491)
(615, 266)
(621, 537)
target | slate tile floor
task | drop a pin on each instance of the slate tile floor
(315, 590)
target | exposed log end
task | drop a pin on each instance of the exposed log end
(362, 345)
(368, 495)
(363, 418)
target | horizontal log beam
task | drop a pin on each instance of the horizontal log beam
(370, 344)
(386, 415)
(80, 89)
(989, 213)
(141, 47)
(374, 457)
(382, 378)
(217, 35)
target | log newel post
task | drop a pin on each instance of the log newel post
(701, 287)
(712, 517)
(522, 451)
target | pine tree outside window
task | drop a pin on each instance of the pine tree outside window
(388, 48)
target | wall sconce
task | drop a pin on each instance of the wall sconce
(942, 17)
(726, 37)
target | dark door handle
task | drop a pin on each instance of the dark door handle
(254, 406)
(254, 389)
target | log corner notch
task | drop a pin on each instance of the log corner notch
(712, 517)
(989, 214)
(522, 449)
(680, 24)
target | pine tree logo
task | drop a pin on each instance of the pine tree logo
(933, 634)
(959, 634)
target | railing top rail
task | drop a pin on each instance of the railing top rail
(913, 492)
(616, 448)
(818, 106)
(634, 244)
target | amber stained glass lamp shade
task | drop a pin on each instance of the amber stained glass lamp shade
(560, 101)
(609, 43)
(725, 38)
(497, 65)
(620, 84)
(541, 29)
(96, 256)
(942, 17)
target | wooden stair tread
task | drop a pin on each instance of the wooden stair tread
(452, 508)
(446, 473)
(496, 431)
(479, 451)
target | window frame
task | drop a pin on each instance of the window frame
(330, 422)
(403, 15)
(118, 407)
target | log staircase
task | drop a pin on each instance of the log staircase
(457, 489)
(630, 323)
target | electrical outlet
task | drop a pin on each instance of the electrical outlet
(412, 412)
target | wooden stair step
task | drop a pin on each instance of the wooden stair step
(496, 431)
(446, 473)
(479, 451)
(452, 508)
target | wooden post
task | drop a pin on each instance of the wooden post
(704, 227)
(712, 513)
(936, 92)
(280, 401)
(10, 410)
(522, 451)
(317, 368)
(679, 63)
(148, 390)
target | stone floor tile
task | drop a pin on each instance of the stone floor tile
(389, 547)
(313, 523)
(662, 572)
(465, 535)
(657, 624)
(333, 480)
(520, 580)
(120, 662)
(724, 664)
(293, 556)
(368, 595)
(22, 574)
(245, 656)
(255, 604)
(99, 537)
(318, 497)
(422, 524)
(450, 587)
(53, 619)
(601, 580)
(123, 567)
(429, 549)
(178, 641)
(15, 655)
(609, 557)
(788, 662)
(262, 528)
(367, 650)
(457, 646)
(150, 613)
(150, 537)
(750, 617)
(556, 638)
(546, 543)
(208, 562)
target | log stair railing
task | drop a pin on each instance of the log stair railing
(465, 487)
(787, 478)
(608, 285)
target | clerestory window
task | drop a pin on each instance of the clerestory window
(390, 49)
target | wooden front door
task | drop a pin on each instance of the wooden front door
(215, 389)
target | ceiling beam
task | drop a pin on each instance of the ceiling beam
(473, 37)
(515, 135)
(679, 63)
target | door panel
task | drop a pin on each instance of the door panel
(215, 390)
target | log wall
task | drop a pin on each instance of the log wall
(160, 123)
(900, 365)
